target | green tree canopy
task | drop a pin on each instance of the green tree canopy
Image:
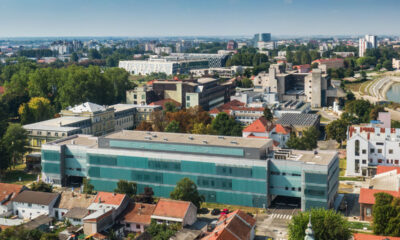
(41, 187)
(386, 215)
(337, 130)
(125, 187)
(307, 141)
(186, 190)
(16, 141)
(225, 125)
(173, 126)
(326, 224)
(268, 114)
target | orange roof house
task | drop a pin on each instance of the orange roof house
(168, 210)
(138, 213)
(109, 198)
(7, 193)
(382, 169)
(260, 125)
(367, 196)
(164, 101)
(237, 225)
(363, 236)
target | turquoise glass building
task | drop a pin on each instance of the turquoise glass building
(229, 170)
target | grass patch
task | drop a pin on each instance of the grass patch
(342, 167)
(360, 225)
(350, 179)
(13, 176)
(252, 210)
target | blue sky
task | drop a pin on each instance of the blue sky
(197, 17)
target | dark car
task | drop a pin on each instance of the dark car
(215, 211)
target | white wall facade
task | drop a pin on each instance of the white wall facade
(31, 211)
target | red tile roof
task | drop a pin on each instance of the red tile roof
(8, 192)
(164, 101)
(363, 236)
(139, 213)
(109, 198)
(328, 60)
(2, 90)
(260, 125)
(383, 169)
(226, 107)
(242, 108)
(235, 225)
(281, 129)
(367, 195)
(171, 208)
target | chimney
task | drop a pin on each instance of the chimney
(99, 199)
(114, 194)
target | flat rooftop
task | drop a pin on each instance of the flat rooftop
(322, 157)
(79, 139)
(192, 139)
(122, 107)
(56, 124)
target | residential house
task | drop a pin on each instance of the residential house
(175, 211)
(262, 128)
(75, 205)
(137, 216)
(236, 225)
(105, 208)
(387, 180)
(7, 194)
(41, 222)
(31, 204)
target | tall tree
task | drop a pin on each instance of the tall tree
(186, 190)
(125, 187)
(41, 187)
(173, 127)
(337, 130)
(223, 124)
(16, 141)
(307, 141)
(326, 224)
(268, 114)
(374, 114)
(386, 215)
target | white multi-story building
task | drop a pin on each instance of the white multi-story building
(161, 50)
(370, 146)
(369, 41)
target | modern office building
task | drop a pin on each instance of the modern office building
(229, 170)
(261, 37)
(369, 41)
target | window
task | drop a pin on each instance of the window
(368, 211)
(372, 150)
(134, 96)
(293, 189)
(379, 143)
(391, 151)
(357, 148)
(299, 189)
(137, 226)
(364, 161)
(357, 166)
(379, 150)
(364, 151)
(396, 161)
(379, 160)
(286, 188)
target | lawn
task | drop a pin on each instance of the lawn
(360, 225)
(220, 206)
(342, 167)
(13, 176)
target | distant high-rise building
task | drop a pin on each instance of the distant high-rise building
(232, 45)
(368, 42)
(261, 37)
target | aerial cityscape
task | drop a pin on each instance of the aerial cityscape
(207, 120)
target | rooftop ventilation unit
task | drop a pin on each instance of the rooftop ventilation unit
(147, 137)
(234, 142)
(221, 137)
(205, 142)
(166, 139)
(190, 137)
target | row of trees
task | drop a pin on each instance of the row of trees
(192, 120)
(250, 57)
(61, 87)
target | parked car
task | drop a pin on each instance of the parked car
(215, 211)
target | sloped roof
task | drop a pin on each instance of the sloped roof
(235, 225)
(41, 198)
(8, 192)
(109, 198)
(164, 101)
(226, 107)
(69, 200)
(260, 125)
(77, 213)
(367, 195)
(281, 129)
(86, 107)
(171, 208)
(138, 213)
(298, 119)
(364, 236)
(383, 169)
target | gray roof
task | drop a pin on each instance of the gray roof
(87, 107)
(77, 213)
(56, 124)
(37, 222)
(41, 198)
(302, 119)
